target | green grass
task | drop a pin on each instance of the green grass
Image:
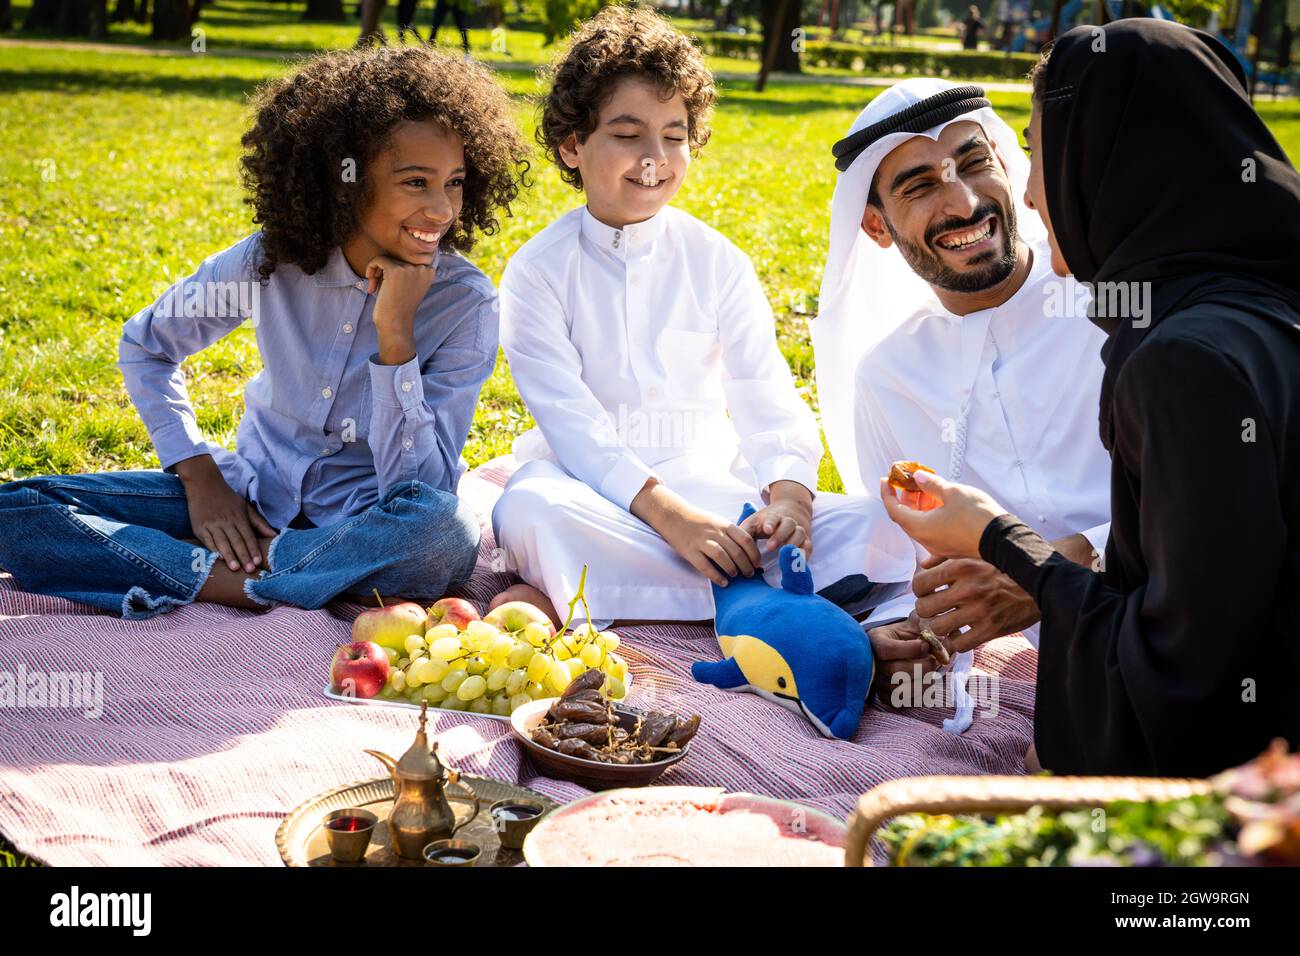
(118, 175)
(136, 183)
(257, 24)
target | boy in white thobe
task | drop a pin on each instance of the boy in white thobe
(642, 343)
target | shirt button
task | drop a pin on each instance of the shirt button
(348, 328)
(406, 443)
(1042, 518)
(327, 391)
(406, 386)
(324, 451)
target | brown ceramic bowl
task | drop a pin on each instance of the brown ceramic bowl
(591, 774)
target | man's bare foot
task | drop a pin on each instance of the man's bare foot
(1032, 765)
(530, 595)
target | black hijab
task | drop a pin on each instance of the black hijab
(1146, 130)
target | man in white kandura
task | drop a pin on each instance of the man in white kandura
(944, 337)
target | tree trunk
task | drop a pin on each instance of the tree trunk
(1259, 27)
(6, 16)
(171, 19)
(142, 11)
(1055, 25)
(324, 10)
(372, 12)
(782, 57)
(124, 10)
(82, 18)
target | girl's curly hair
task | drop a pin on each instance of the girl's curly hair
(621, 41)
(343, 106)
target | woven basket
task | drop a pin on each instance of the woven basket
(981, 795)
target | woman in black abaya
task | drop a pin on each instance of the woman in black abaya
(1155, 176)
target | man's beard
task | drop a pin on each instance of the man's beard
(991, 268)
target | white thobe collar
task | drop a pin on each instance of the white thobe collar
(615, 240)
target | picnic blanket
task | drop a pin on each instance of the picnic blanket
(214, 725)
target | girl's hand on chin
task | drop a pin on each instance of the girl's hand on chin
(401, 286)
(952, 527)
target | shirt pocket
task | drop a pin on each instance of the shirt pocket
(691, 362)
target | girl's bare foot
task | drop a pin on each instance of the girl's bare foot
(530, 595)
(225, 586)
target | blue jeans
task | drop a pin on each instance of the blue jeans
(112, 540)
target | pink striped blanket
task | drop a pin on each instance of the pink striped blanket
(213, 726)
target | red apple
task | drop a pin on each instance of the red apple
(455, 611)
(390, 626)
(359, 669)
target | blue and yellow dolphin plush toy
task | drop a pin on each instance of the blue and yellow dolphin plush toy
(791, 646)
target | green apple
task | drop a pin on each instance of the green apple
(514, 616)
(390, 626)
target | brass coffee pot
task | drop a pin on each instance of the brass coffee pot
(421, 812)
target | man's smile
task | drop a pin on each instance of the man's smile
(970, 238)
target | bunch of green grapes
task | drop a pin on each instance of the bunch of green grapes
(485, 670)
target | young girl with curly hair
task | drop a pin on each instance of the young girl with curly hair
(370, 173)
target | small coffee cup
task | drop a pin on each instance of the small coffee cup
(348, 833)
(452, 853)
(513, 818)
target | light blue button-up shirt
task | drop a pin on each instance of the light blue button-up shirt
(326, 428)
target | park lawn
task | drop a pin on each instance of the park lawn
(120, 174)
(134, 181)
(265, 25)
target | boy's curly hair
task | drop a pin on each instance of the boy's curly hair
(621, 41)
(343, 106)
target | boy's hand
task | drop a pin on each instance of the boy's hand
(222, 519)
(786, 520)
(712, 545)
(401, 287)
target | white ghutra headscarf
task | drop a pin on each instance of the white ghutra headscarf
(867, 292)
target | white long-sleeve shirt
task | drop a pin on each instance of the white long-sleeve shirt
(650, 350)
(1029, 375)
